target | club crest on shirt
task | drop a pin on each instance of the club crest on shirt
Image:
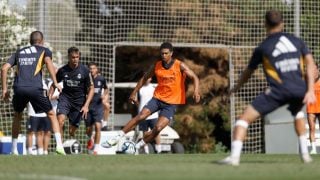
(79, 76)
(99, 83)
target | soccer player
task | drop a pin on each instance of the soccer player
(169, 93)
(144, 96)
(77, 92)
(96, 114)
(28, 87)
(283, 57)
(313, 113)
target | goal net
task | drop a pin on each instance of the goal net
(97, 27)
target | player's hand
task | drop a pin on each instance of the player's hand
(309, 98)
(5, 96)
(58, 87)
(84, 111)
(196, 97)
(133, 99)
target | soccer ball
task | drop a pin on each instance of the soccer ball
(128, 147)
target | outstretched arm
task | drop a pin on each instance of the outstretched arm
(184, 68)
(4, 74)
(140, 83)
(243, 79)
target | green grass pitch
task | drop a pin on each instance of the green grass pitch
(160, 167)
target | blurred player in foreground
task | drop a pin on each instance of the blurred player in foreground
(313, 111)
(28, 86)
(169, 93)
(283, 57)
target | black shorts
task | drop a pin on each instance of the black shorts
(71, 110)
(148, 123)
(165, 109)
(36, 96)
(35, 124)
(268, 102)
(94, 115)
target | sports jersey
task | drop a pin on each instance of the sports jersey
(315, 108)
(100, 83)
(29, 61)
(75, 83)
(145, 95)
(282, 57)
(171, 87)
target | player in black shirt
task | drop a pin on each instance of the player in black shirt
(283, 57)
(28, 87)
(77, 92)
(96, 109)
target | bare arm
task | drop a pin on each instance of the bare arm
(4, 75)
(242, 80)
(52, 73)
(184, 68)
(140, 83)
(310, 96)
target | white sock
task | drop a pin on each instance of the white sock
(14, 144)
(121, 133)
(313, 145)
(40, 151)
(57, 136)
(158, 148)
(146, 149)
(45, 152)
(236, 148)
(303, 144)
(30, 151)
(140, 144)
(104, 123)
(96, 147)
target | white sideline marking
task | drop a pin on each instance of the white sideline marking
(41, 176)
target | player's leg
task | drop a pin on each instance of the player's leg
(312, 129)
(19, 102)
(47, 135)
(74, 121)
(249, 115)
(302, 138)
(97, 136)
(157, 139)
(29, 136)
(89, 124)
(55, 124)
(162, 122)
(40, 139)
(128, 127)
(106, 112)
(143, 126)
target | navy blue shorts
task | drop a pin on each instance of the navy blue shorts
(94, 115)
(35, 124)
(148, 123)
(71, 110)
(37, 97)
(165, 109)
(267, 102)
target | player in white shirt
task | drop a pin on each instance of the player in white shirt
(145, 94)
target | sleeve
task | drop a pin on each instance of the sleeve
(304, 48)
(59, 75)
(256, 59)
(47, 53)
(12, 60)
(105, 83)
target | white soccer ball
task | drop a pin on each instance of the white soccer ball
(128, 147)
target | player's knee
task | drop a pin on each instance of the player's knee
(242, 123)
(299, 115)
(157, 129)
